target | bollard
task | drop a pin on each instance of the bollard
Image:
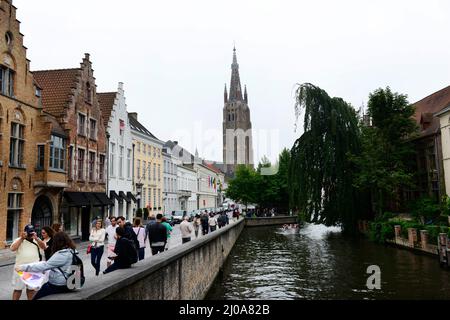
(424, 239)
(398, 232)
(412, 237)
(442, 245)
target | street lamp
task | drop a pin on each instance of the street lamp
(139, 192)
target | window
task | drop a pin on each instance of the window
(139, 147)
(121, 162)
(159, 198)
(144, 149)
(7, 81)
(154, 152)
(93, 129)
(91, 166)
(101, 169)
(129, 164)
(80, 165)
(13, 215)
(81, 124)
(121, 126)
(70, 166)
(144, 170)
(112, 160)
(159, 172)
(154, 198)
(40, 157)
(88, 93)
(144, 193)
(17, 144)
(138, 169)
(57, 153)
(154, 172)
(149, 197)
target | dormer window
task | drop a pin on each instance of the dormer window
(88, 93)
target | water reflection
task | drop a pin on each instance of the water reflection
(319, 263)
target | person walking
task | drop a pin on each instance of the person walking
(151, 221)
(125, 252)
(140, 234)
(196, 223)
(186, 229)
(169, 230)
(27, 249)
(97, 239)
(212, 224)
(204, 222)
(47, 237)
(157, 235)
(111, 237)
(60, 266)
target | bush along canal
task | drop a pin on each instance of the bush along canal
(316, 262)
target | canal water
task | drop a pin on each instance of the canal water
(319, 263)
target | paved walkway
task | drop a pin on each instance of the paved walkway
(6, 271)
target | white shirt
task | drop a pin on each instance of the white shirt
(97, 237)
(140, 232)
(186, 229)
(212, 221)
(27, 253)
(111, 232)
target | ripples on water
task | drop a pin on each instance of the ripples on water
(316, 262)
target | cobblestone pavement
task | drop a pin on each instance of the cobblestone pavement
(6, 269)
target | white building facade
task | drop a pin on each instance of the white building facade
(187, 189)
(120, 153)
(170, 174)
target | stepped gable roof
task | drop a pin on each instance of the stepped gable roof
(106, 101)
(57, 86)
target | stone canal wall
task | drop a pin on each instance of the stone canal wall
(183, 273)
(270, 221)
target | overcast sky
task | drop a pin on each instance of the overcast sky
(175, 56)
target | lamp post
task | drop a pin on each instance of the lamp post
(139, 192)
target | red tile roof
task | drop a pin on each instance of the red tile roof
(106, 101)
(56, 88)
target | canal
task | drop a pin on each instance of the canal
(319, 263)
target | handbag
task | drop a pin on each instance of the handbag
(89, 248)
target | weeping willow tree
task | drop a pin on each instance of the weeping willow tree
(320, 171)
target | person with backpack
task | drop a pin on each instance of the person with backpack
(157, 235)
(212, 224)
(151, 221)
(28, 250)
(126, 254)
(60, 266)
(140, 234)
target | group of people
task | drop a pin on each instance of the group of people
(123, 242)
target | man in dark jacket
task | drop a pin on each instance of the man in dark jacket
(205, 222)
(126, 254)
(157, 235)
(129, 232)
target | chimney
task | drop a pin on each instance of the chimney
(133, 115)
(175, 143)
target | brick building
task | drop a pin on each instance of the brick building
(430, 169)
(70, 96)
(30, 185)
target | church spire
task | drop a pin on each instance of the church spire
(235, 86)
(245, 95)
(225, 94)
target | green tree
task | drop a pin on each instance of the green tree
(384, 163)
(243, 187)
(320, 171)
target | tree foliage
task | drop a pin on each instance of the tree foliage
(384, 162)
(243, 187)
(320, 172)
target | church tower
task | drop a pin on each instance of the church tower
(237, 127)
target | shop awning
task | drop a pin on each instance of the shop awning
(131, 196)
(93, 200)
(124, 197)
(113, 195)
(76, 199)
(103, 199)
